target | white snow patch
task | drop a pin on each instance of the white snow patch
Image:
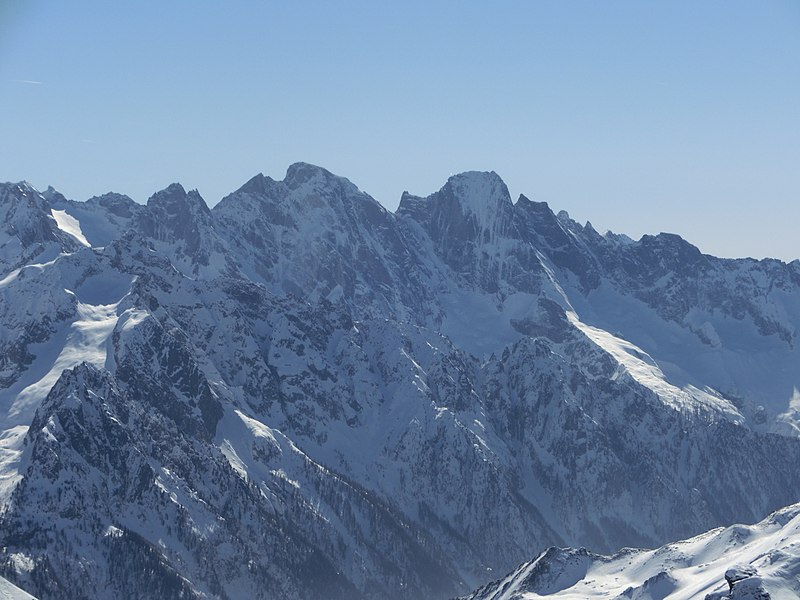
(70, 225)
(10, 457)
(643, 369)
(22, 563)
(233, 459)
(257, 428)
(87, 339)
(131, 318)
(280, 473)
(114, 532)
(12, 276)
(708, 349)
(8, 591)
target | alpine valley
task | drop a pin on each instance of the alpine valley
(298, 394)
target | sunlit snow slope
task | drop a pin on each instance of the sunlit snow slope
(741, 562)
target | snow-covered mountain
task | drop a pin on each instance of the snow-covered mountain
(741, 562)
(300, 394)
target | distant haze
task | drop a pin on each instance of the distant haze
(637, 116)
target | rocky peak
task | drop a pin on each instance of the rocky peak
(174, 201)
(74, 387)
(335, 200)
(413, 207)
(53, 196)
(306, 190)
(482, 193)
(313, 234)
(667, 252)
(118, 205)
(258, 184)
(474, 205)
(300, 173)
(26, 214)
(309, 198)
(559, 238)
(174, 215)
(472, 224)
(28, 231)
(539, 220)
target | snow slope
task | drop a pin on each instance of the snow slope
(69, 224)
(8, 591)
(737, 562)
(80, 326)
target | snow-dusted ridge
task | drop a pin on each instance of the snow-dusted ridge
(741, 562)
(298, 392)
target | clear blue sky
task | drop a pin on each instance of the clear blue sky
(638, 116)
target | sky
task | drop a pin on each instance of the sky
(639, 116)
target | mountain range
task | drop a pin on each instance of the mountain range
(300, 394)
